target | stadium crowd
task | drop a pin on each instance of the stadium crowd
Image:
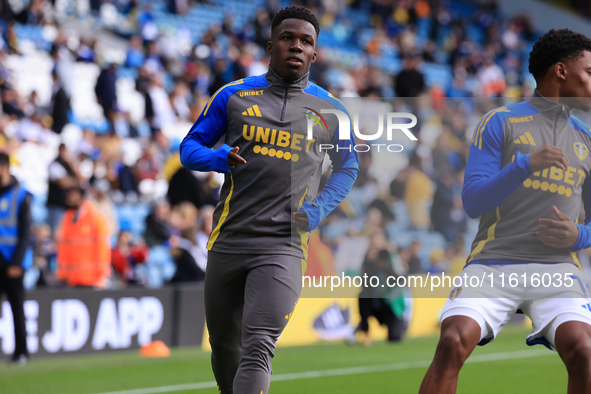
(104, 113)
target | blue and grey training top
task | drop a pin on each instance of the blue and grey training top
(500, 186)
(283, 169)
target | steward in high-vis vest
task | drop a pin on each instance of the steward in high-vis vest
(16, 254)
(84, 249)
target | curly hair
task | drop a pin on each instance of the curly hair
(556, 46)
(295, 12)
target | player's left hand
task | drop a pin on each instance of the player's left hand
(562, 233)
(300, 219)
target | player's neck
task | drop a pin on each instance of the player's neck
(275, 79)
(550, 92)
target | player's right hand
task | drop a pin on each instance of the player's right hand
(234, 158)
(546, 157)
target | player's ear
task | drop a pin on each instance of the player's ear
(560, 70)
(314, 57)
(270, 47)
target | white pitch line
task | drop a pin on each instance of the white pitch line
(481, 358)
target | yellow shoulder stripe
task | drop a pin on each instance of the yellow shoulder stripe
(219, 90)
(482, 127)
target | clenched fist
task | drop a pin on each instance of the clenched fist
(546, 157)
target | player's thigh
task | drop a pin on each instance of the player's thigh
(553, 302)
(573, 343)
(491, 305)
(225, 280)
(273, 286)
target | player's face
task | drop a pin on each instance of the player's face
(292, 48)
(578, 81)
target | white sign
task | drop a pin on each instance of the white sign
(116, 325)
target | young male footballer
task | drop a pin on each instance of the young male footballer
(269, 201)
(527, 172)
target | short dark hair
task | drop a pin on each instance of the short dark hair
(295, 12)
(4, 159)
(556, 46)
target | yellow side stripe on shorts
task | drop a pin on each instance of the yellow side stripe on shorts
(216, 231)
(491, 236)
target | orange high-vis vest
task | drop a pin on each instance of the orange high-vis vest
(84, 249)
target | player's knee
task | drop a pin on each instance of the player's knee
(220, 344)
(453, 348)
(579, 355)
(262, 345)
(257, 352)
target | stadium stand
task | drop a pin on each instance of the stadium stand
(169, 59)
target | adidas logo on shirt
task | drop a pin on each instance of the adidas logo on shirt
(525, 139)
(253, 111)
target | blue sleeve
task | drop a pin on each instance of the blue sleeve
(584, 240)
(345, 168)
(486, 183)
(195, 149)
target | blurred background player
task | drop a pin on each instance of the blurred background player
(256, 252)
(528, 192)
(387, 305)
(15, 253)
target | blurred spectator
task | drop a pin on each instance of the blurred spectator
(31, 129)
(60, 105)
(37, 12)
(99, 195)
(83, 246)
(63, 175)
(86, 51)
(180, 99)
(418, 195)
(158, 228)
(409, 82)
(126, 255)
(320, 261)
(185, 186)
(186, 252)
(44, 254)
(439, 261)
(185, 257)
(106, 90)
(411, 256)
(149, 164)
(202, 237)
(135, 53)
(491, 77)
(443, 203)
(11, 103)
(15, 253)
(159, 111)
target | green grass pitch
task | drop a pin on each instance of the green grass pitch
(503, 366)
